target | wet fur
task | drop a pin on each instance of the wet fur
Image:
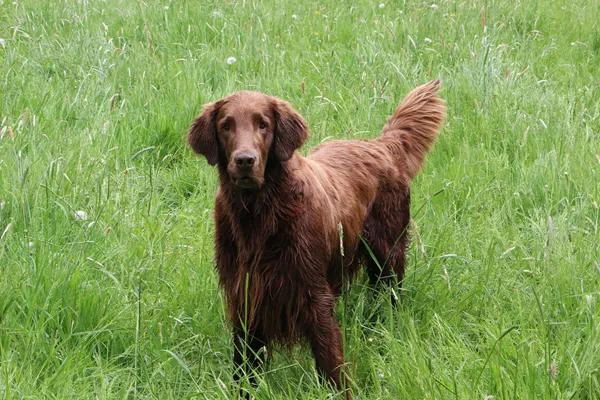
(278, 248)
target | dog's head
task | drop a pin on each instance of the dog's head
(243, 130)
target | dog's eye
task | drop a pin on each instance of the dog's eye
(263, 125)
(225, 126)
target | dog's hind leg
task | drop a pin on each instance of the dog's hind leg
(385, 236)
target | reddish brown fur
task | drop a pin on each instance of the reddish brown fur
(276, 221)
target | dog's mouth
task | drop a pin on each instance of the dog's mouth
(245, 182)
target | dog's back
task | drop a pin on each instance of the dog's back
(367, 184)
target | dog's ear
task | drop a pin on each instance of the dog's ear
(291, 130)
(202, 136)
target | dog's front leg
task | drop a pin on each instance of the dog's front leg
(325, 339)
(248, 357)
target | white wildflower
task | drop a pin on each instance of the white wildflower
(382, 5)
(294, 16)
(434, 6)
(81, 215)
(166, 7)
(427, 40)
(231, 60)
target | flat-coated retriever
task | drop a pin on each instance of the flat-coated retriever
(277, 216)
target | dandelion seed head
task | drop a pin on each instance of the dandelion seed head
(231, 60)
(81, 215)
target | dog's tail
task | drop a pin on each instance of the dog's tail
(413, 129)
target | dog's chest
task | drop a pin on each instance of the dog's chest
(272, 286)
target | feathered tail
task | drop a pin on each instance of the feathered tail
(415, 125)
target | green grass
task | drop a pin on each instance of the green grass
(503, 283)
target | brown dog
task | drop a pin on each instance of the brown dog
(277, 216)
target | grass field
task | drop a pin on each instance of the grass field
(107, 283)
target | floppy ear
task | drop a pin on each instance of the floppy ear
(202, 136)
(290, 130)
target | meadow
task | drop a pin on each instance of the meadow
(107, 282)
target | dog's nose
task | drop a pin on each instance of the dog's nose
(245, 160)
